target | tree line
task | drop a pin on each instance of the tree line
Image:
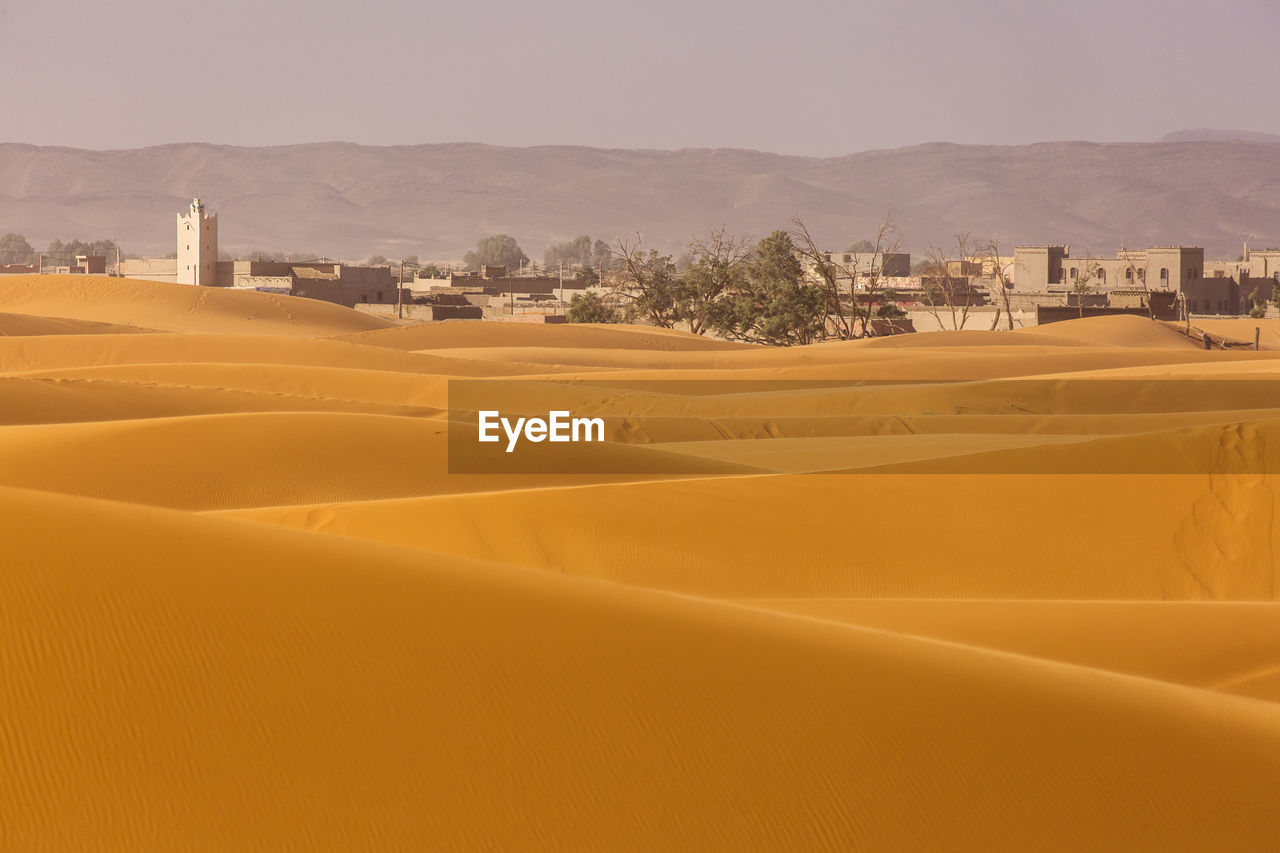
(14, 249)
(785, 290)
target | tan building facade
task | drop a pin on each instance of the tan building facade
(866, 264)
(1048, 268)
(197, 245)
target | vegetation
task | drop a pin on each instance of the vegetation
(947, 296)
(768, 300)
(67, 251)
(1085, 283)
(999, 267)
(853, 292)
(498, 250)
(1257, 305)
(646, 283)
(717, 274)
(14, 249)
(578, 252)
(591, 308)
(727, 287)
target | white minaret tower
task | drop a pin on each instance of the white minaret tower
(197, 245)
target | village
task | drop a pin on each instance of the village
(973, 287)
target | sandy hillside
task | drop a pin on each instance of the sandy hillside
(970, 591)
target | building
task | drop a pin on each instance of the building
(1043, 269)
(90, 265)
(197, 245)
(196, 263)
(869, 264)
(494, 281)
(1177, 269)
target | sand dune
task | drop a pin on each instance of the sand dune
(478, 333)
(25, 325)
(479, 705)
(1005, 536)
(1025, 597)
(1233, 647)
(1243, 330)
(176, 307)
(53, 353)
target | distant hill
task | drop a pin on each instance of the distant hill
(1205, 134)
(348, 200)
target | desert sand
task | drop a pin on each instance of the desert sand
(952, 591)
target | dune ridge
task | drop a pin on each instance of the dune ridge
(1022, 596)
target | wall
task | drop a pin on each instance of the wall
(1036, 267)
(150, 269)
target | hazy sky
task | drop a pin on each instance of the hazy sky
(798, 76)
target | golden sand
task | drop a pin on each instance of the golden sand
(245, 605)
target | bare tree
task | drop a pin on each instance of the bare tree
(1135, 273)
(989, 255)
(1084, 280)
(644, 282)
(853, 288)
(944, 293)
(718, 267)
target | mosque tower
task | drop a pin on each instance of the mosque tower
(197, 245)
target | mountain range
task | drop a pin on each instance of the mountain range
(346, 200)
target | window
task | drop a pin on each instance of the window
(1102, 275)
(1074, 275)
(1128, 275)
(1142, 275)
(1164, 275)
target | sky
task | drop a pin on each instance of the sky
(798, 77)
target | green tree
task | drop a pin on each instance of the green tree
(14, 249)
(1257, 305)
(430, 271)
(589, 276)
(576, 252)
(774, 304)
(889, 307)
(498, 250)
(601, 255)
(862, 247)
(591, 308)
